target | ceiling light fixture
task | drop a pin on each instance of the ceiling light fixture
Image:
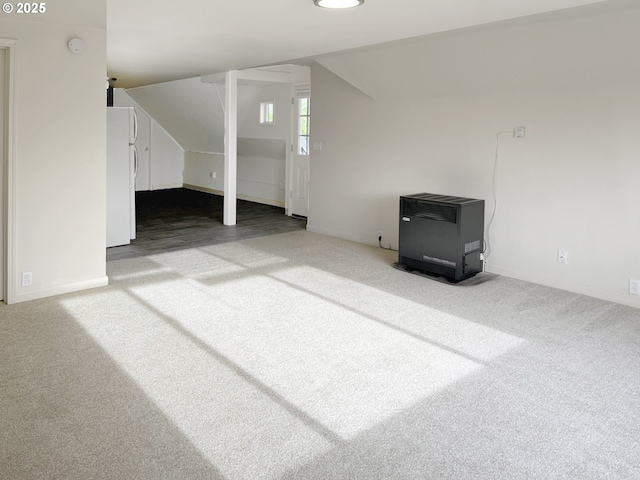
(338, 3)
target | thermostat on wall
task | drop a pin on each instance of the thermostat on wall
(76, 45)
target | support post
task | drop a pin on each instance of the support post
(231, 147)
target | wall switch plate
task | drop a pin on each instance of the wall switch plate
(634, 286)
(563, 257)
(519, 132)
(27, 279)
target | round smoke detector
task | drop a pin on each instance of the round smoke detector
(76, 45)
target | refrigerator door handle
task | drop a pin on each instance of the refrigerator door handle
(135, 161)
(135, 126)
(133, 168)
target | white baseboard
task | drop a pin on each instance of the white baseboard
(240, 196)
(59, 290)
(198, 188)
(166, 187)
(336, 233)
(610, 296)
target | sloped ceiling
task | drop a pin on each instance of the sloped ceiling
(478, 61)
(188, 109)
(152, 41)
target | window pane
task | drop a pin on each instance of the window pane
(304, 126)
(303, 145)
(304, 106)
(266, 112)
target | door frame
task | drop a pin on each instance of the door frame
(297, 90)
(8, 187)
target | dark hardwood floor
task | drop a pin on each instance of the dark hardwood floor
(175, 219)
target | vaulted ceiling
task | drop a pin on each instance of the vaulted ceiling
(152, 41)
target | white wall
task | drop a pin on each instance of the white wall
(262, 148)
(430, 121)
(198, 170)
(249, 98)
(59, 209)
(167, 160)
(189, 110)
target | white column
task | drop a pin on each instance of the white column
(231, 147)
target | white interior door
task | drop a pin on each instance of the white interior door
(301, 152)
(2, 164)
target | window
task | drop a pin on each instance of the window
(266, 113)
(304, 110)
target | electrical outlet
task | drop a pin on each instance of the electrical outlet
(563, 257)
(519, 132)
(27, 279)
(634, 286)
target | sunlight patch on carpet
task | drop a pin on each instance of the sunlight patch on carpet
(305, 356)
(201, 395)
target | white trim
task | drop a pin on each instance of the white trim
(240, 196)
(302, 90)
(263, 201)
(9, 165)
(288, 157)
(230, 148)
(204, 153)
(338, 234)
(610, 296)
(61, 289)
(165, 186)
(251, 76)
(552, 282)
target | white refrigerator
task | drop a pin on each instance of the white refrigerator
(122, 131)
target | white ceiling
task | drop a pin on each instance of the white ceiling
(152, 41)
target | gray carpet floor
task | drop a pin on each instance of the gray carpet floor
(300, 356)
